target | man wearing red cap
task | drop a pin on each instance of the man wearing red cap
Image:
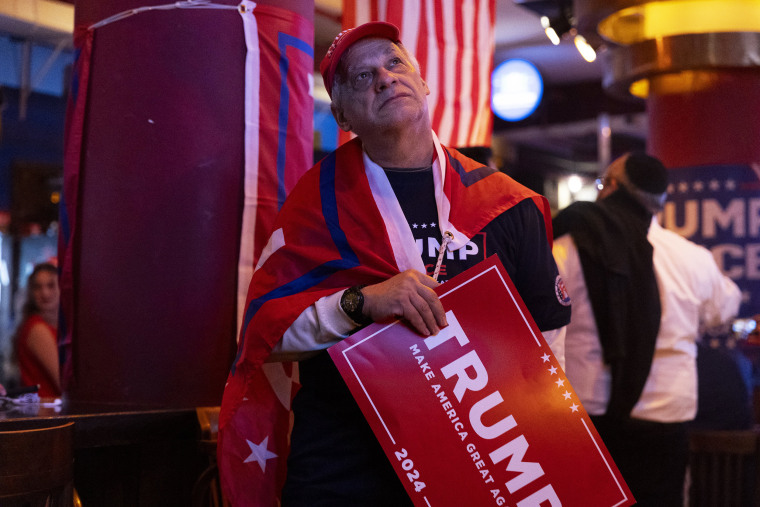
(357, 241)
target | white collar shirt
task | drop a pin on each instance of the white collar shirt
(694, 294)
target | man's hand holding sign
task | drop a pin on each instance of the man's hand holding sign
(479, 413)
(408, 296)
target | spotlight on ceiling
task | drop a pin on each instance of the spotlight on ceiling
(555, 27)
(584, 48)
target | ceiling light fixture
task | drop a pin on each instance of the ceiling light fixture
(556, 27)
(584, 48)
(562, 26)
(549, 30)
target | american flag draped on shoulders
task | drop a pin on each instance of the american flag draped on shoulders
(332, 254)
(278, 150)
(334, 231)
(454, 42)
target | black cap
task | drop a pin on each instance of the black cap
(646, 173)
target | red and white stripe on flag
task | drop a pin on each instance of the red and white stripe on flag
(454, 43)
(253, 437)
(278, 137)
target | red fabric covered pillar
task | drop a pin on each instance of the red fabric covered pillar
(718, 123)
(701, 79)
(708, 136)
(158, 200)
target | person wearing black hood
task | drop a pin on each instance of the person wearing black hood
(641, 296)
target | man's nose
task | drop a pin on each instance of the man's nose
(384, 78)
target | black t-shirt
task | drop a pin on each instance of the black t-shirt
(517, 236)
(335, 459)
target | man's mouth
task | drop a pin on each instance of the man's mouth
(392, 99)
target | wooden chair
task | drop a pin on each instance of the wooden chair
(37, 467)
(724, 468)
(207, 491)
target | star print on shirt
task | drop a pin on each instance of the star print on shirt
(260, 453)
(553, 370)
(545, 357)
(560, 383)
(574, 407)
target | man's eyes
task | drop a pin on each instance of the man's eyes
(362, 80)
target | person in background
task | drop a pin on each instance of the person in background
(351, 247)
(753, 336)
(747, 339)
(35, 343)
(641, 295)
(724, 401)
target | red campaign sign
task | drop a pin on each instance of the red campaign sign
(480, 414)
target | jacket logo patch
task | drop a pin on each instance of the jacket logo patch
(561, 291)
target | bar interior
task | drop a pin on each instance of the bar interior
(129, 162)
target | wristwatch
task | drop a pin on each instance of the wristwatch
(352, 302)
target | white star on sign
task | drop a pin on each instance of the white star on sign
(260, 453)
(545, 357)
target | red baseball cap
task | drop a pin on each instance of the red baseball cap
(346, 39)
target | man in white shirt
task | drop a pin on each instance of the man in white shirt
(641, 295)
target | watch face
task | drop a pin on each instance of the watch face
(351, 301)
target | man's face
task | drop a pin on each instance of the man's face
(382, 88)
(611, 178)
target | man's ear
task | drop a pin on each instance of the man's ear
(340, 118)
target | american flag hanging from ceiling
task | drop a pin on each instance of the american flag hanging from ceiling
(454, 43)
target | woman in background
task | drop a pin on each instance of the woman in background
(36, 347)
